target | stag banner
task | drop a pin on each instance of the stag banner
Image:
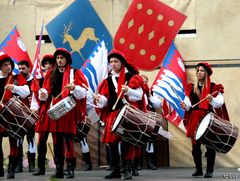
(78, 29)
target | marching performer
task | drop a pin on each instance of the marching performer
(83, 138)
(123, 82)
(48, 62)
(61, 82)
(201, 89)
(10, 85)
(24, 69)
(153, 102)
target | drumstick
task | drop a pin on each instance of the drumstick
(203, 99)
(92, 105)
(90, 90)
(174, 90)
(63, 90)
(113, 108)
(5, 90)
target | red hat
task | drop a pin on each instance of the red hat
(64, 52)
(206, 66)
(5, 58)
(118, 54)
(48, 58)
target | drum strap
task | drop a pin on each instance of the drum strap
(71, 77)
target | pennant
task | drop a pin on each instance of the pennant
(13, 46)
(147, 31)
(37, 69)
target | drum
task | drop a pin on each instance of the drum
(17, 118)
(82, 129)
(217, 133)
(160, 121)
(61, 108)
(134, 126)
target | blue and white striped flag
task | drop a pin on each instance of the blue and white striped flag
(170, 84)
(95, 68)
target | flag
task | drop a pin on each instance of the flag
(13, 46)
(172, 116)
(95, 68)
(37, 69)
(78, 29)
(146, 32)
(170, 84)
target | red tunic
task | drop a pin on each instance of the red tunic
(194, 116)
(67, 123)
(109, 116)
(17, 79)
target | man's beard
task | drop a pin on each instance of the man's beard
(24, 74)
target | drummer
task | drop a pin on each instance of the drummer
(153, 102)
(61, 82)
(123, 82)
(25, 69)
(10, 85)
(202, 88)
(48, 62)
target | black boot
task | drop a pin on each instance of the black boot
(71, 165)
(151, 166)
(115, 172)
(19, 164)
(41, 166)
(11, 167)
(211, 155)
(197, 157)
(31, 162)
(197, 172)
(59, 167)
(1, 166)
(128, 170)
(135, 167)
(123, 166)
(87, 160)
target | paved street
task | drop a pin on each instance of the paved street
(170, 174)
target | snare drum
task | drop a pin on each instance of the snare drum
(82, 129)
(217, 133)
(17, 118)
(134, 126)
(61, 108)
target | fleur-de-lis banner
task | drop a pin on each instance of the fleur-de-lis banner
(78, 29)
(147, 32)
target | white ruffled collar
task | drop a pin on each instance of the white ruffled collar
(1, 75)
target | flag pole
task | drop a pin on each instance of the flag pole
(174, 90)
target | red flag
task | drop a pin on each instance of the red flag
(172, 116)
(15, 48)
(37, 69)
(147, 32)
